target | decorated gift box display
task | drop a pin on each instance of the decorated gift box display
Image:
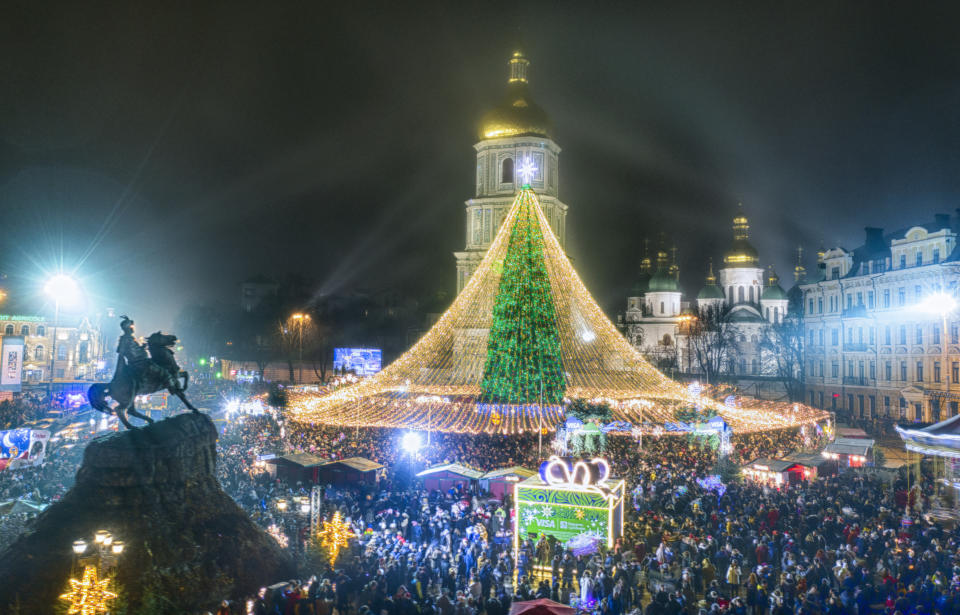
(576, 502)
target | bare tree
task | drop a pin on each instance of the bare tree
(320, 349)
(713, 342)
(783, 343)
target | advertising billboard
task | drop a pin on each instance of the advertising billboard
(581, 511)
(11, 362)
(23, 447)
(361, 361)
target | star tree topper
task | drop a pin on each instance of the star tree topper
(335, 535)
(526, 171)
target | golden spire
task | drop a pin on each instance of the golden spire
(518, 68)
(772, 278)
(674, 267)
(799, 271)
(711, 279)
(741, 228)
(645, 265)
(821, 253)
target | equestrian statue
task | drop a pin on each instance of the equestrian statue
(140, 373)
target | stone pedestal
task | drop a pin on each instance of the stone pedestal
(188, 544)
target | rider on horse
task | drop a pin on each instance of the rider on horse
(141, 366)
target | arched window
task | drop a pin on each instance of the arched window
(83, 353)
(62, 352)
(754, 366)
(740, 294)
(38, 353)
(41, 330)
(754, 339)
(667, 341)
(661, 307)
(506, 171)
(730, 295)
(768, 313)
(751, 294)
(8, 330)
(25, 330)
(776, 314)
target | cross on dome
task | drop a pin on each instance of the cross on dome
(527, 170)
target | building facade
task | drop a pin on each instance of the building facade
(657, 319)
(881, 329)
(79, 348)
(516, 132)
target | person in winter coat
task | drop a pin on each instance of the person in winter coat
(733, 578)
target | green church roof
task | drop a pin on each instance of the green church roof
(710, 291)
(663, 282)
(773, 293)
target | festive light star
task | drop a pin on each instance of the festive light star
(526, 171)
(90, 595)
(579, 513)
(438, 384)
(335, 535)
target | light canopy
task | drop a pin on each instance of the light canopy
(500, 330)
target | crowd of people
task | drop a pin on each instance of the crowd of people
(835, 545)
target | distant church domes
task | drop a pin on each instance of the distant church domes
(663, 281)
(517, 115)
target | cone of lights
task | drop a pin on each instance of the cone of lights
(522, 336)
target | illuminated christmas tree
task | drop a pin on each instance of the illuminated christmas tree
(523, 350)
(524, 320)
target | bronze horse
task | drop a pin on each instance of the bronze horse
(124, 388)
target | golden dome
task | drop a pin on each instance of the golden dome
(517, 114)
(741, 253)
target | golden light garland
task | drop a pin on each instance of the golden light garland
(90, 595)
(278, 535)
(435, 384)
(335, 535)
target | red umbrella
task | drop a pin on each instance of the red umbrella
(541, 606)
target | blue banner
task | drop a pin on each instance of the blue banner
(14, 443)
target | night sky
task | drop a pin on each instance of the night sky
(167, 155)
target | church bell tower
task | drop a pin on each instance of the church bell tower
(514, 132)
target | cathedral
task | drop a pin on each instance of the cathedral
(515, 132)
(657, 319)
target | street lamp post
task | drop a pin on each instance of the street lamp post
(63, 289)
(96, 563)
(301, 319)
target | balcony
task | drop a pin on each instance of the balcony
(855, 347)
(858, 381)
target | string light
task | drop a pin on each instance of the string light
(335, 535)
(278, 535)
(90, 595)
(438, 383)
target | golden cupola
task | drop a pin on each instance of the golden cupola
(741, 253)
(517, 115)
